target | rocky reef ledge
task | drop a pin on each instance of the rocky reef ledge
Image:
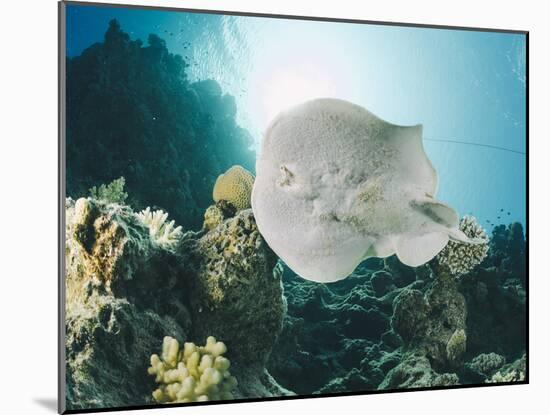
(390, 326)
(133, 279)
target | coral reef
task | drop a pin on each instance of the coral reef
(170, 138)
(192, 373)
(431, 329)
(162, 233)
(460, 258)
(121, 299)
(235, 187)
(125, 292)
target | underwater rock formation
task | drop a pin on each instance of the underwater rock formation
(236, 296)
(121, 299)
(415, 371)
(513, 372)
(483, 366)
(175, 136)
(125, 292)
(434, 329)
(433, 322)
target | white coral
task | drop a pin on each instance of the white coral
(460, 258)
(162, 233)
(193, 373)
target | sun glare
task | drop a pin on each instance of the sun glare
(290, 86)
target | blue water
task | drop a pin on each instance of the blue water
(461, 85)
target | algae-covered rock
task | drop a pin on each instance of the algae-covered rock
(108, 344)
(130, 283)
(123, 295)
(415, 371)
(109, 247)
(513, 372)
(485, 365)
(433, 322)
(217, 213)
(235, 295)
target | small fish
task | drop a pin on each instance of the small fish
(502, 210)
(498, 217)
(508, 213)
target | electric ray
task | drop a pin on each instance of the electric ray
(336, 185)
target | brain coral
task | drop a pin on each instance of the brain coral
(194, 373)
(460, 258)
(235, 187)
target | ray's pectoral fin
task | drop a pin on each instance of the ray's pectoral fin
(458, 236)
(445, 216)
(415, 250)
(437, 211)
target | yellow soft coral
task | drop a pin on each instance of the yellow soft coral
(195, 373)
(235, 187)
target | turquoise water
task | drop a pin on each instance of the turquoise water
(461, 85)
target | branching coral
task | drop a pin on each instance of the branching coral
(460, 258)
(194, 373)
(235, 187)
(111, 193)
(162, 233)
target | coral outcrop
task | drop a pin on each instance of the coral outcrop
(433, 322)
(415, 371)
(237, 297)
(126, 290)
(121, 299)
(514, 372)
(485, 365)
(194, 373)
(235, 187)
(459, 258)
